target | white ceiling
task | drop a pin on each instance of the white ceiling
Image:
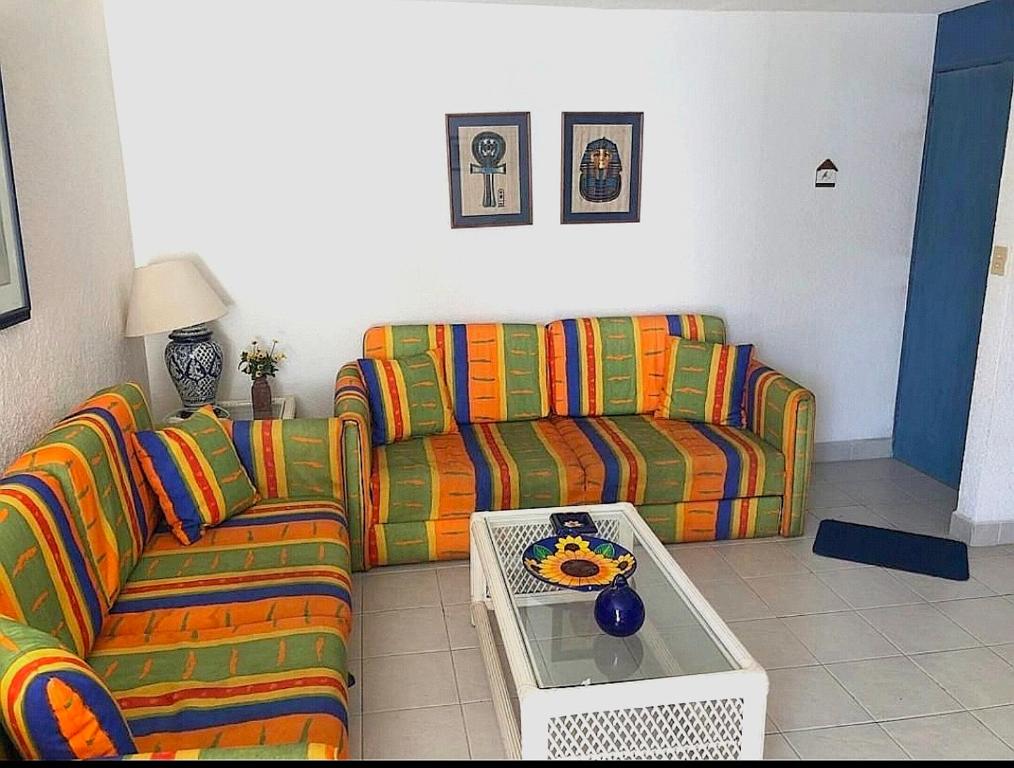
(853, 6)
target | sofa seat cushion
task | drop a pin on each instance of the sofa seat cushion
(238, 639)
(278, 559)
(510, 465)
(274, 682)
(644, 460)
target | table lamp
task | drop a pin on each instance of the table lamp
(174, 296)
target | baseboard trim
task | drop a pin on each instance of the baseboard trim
(853, 450)
(986, 533)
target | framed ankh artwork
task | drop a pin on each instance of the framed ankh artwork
(601, 167)
(489, 167)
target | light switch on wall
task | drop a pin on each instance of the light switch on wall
(998, 264)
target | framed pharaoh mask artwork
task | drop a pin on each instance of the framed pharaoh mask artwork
(489, 169)
(601, 167)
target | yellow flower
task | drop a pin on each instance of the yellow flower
(578, 568)
(625, 563)
(571, 544)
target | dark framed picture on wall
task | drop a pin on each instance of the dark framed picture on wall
(601, 167)
(15, 306)
(489, 168)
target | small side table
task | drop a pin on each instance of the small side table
(242, 410)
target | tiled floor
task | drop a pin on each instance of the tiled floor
(863, 662)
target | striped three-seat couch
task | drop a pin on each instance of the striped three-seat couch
(563, 414)
(234, 646)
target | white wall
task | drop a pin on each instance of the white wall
(299, 148)
(74, 220)
(984, 515)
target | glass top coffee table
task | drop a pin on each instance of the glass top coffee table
(682, 687)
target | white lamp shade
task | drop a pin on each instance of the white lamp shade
(168, 295)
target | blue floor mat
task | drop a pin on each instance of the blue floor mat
(902, 551)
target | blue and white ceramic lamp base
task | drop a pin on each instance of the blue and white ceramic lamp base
(194, 361)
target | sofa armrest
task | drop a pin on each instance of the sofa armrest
(352, 410)
(781, 412)
(290, 458)
(301, 751)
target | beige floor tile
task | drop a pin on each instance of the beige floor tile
(894, 687)
(947, 737)
(417, 734)
(388, 590)
(777, 748)
(924, 488)
(460, 631)
(701, 563)
(356, 691)
(917, 517)
(483, 731)
(795, 594)
(802, 550)
(919, 628)
(355, 643)
(771, 643)
(470, 673)
(455, 587)
(809, 697)
(769, 725)
(408, 681)
(991, 619)
(764, 559)
(976, 677)
(867, 469)
(413, 630)
(848, 742)
(935, 589)
(854, 514)
(870, 492)
(821, 495)
(1000, 720)
(357, 592)
(997, 573)
(734, 600)
(1005, 652)
(845, 636)
(869, 587)
(355, 737)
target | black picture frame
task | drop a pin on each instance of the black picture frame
(15, 301)
(461, 218)
(630, 174)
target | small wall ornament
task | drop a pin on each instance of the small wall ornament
(827, 175)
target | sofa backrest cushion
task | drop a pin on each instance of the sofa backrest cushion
(79, 513)
(495, 371)
(92, 455)
(54, 706)
(611, 366)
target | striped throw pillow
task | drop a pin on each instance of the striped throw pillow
(408, 397)
(54, 705)
(196, 473)
(704, 382)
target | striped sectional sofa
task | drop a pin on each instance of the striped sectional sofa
(563, 414)
(234, 646)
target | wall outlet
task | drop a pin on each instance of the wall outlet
(998, 264)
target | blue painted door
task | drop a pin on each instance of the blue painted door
(962, 163)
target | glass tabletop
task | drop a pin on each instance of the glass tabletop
(566, 646)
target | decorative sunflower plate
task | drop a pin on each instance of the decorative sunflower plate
(584, 563)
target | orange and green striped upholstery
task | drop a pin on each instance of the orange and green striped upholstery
(704, 382)
(352, 411)
(285, 752)
(781, 412)
(96, 482)
(408, 397)
(290, 458)
(239, 639)
(712, 520)
(495, 371)
(609, 366)
(54, 707)
(196, 473)
(645, 460)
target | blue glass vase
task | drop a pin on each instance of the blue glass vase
(619, 610)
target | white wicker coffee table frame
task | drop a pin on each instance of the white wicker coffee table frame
(706, 716)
